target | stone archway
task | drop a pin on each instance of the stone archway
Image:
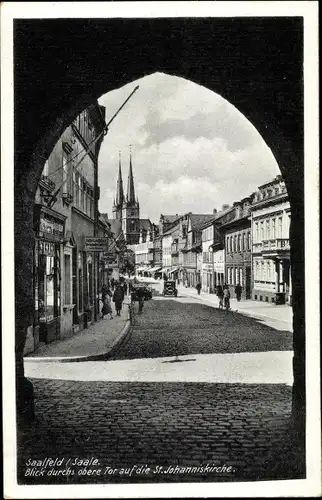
(63, 65)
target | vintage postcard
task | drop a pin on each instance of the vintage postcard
(160, 249)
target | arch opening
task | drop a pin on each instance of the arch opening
(260, 103)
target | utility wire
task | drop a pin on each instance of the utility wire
(104, 131)
(54, 196)
(72, 159)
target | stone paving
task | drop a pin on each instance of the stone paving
(244, 427)
(171, 326)
(97, 339)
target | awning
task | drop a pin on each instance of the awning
(173, 270)
(154, 269)
(165, 270)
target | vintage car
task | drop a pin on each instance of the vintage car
(170, 289)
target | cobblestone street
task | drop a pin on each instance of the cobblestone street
(122, 424)
(242, 426)
(181, 326)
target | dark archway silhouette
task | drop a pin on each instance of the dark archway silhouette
(61, 66)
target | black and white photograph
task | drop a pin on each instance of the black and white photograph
(160, 291)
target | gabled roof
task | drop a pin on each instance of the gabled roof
(172, 230)
(145, 224)
(216, 216)
(197, 220)
(171, 218)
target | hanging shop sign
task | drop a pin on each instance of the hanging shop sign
(95, 244)
(48, 226)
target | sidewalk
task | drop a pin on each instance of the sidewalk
(93, 343)
(253, 308)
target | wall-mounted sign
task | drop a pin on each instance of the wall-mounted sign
(50, 228)
(95, 245)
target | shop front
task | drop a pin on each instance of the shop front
(49, 229)
(207, 278)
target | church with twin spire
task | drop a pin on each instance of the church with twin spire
(126, 210)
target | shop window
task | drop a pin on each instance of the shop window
(90, 280)
(45, 282)
(80, 283)
(67, 277)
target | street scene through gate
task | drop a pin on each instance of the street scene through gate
(160, 345)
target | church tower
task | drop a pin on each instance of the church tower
(119, 200)
(131, 211)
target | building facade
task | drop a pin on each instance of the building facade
(192, 252)
(270, 226)
(65, 212)
(237, 234)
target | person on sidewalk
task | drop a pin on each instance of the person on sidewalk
(118, 297)
(220, 295)
(106, 299)
(226, 298)
(198, 287)
(238, 292)
(141, 298)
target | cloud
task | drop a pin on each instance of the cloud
(192, 150)
(221, 123)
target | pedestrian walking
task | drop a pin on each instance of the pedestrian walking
(198, 287)
(220, 295)
(238, 292)
(106, 302)
(226, 298)
(141, 298)
(118, 297)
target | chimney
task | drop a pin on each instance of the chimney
(225, 206)
(214, 211)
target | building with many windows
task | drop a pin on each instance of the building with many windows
(192, 252)
(270, 225)
(65, 212)
(237, 233)
(213, 266)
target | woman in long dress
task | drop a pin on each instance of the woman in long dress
(118, 299)
(106, 299)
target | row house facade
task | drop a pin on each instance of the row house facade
(170, 252)
(213, 252)
(238, 252)
(192, 253)
(65, 212)
(270, 225)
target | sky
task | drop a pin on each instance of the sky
(192, 151)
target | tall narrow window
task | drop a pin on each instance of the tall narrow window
(67, 277)
(280, 221)
(46, 169)
(67, 178)
(273, 229)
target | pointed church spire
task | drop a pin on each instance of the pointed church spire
(130, 197)
(119, 187)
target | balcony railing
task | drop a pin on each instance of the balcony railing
(272, 245)
(278, 244)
